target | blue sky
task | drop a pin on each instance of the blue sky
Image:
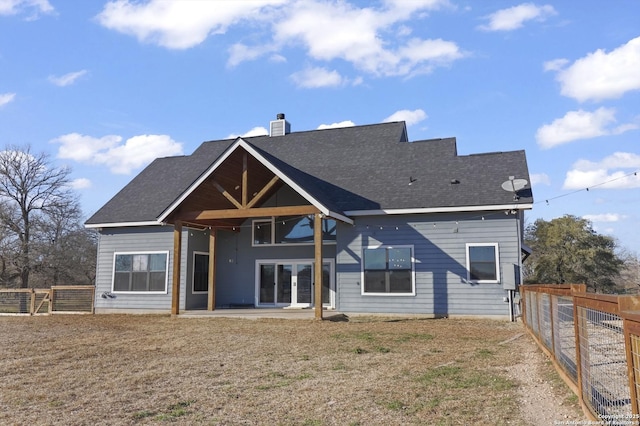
(106, 86)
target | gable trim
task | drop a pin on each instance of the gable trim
(439, 210)
(241, 143)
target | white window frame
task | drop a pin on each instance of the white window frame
(166, 272)
(497, 262)
(193, 272)
(272, 222)
(413, 271)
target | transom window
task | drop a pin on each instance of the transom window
(388, 270)
(483, 263)
(140, 272)
(290, 230)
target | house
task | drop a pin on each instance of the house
(397, 226)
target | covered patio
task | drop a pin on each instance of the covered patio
(233, 190)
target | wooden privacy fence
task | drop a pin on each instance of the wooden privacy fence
(594, 340)
(67, 299)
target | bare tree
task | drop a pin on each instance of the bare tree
(29, 185)
(66, 252)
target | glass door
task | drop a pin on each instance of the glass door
(275, 284)
(284, 284)
(290, 283)
(267, 280)
(303, 285)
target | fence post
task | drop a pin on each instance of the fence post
(51, 300)
(626, 304)
(32, 304)
(523, 305)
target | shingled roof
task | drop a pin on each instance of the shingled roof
(351, 170)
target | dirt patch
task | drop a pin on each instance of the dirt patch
(119, 369)
(544, 399)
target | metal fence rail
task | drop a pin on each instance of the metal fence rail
(594, 340)
(57, 299)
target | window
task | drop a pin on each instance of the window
(482, 263)
(140, 272)
(262, 232)
(290, 230)
(388, 270)
(200, 272)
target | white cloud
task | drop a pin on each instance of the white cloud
(555, 64)
(580, 125)
(338, 30)
(256, 131)
(36, 7)
(410, 117)
(315, 77)
(601, 75)
(514, 17)
(608, 173)
(5, 98)
(539, 179)
(120, 158)
(240, 52)
(371, 39)
(180, 24)
(346, 123)
(604, 217)
(81, 183)
(67, 79)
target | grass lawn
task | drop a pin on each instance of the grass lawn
(121, 369)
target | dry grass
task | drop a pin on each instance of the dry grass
(117, 369)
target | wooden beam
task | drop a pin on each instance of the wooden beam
(317, 240)
(247, 213)
(245, 180)
(227, 195)
(177, 256)
(262, 192)
(211, 302)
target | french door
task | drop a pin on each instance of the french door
(290, 283)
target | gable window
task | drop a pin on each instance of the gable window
(140, 272)
(483, 263)
(290, 230)
(388, 270)
(262, 232)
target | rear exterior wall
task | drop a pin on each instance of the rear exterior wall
(439, 246)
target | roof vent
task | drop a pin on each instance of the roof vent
(280, 126)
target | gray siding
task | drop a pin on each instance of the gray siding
(439, 243)
(141, 240)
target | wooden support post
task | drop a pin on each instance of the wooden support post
(211, 302)
(177, 257)
(317, 239)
